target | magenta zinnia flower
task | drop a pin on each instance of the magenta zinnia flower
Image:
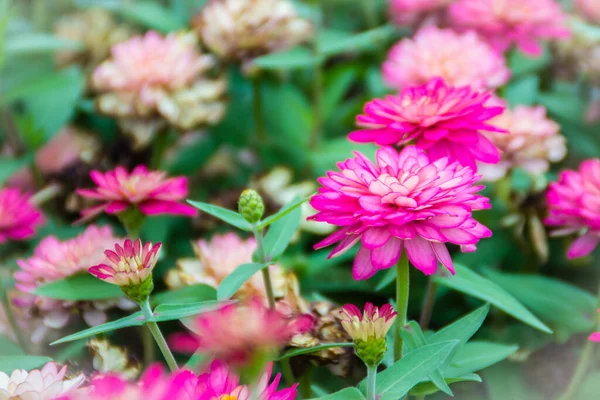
(574, 207)
(372, 324)
(150, 191)
(405, 199)
(461, 59)
(506, 22)
(19, 218)
(443, 120)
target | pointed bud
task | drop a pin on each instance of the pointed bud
(251, 206)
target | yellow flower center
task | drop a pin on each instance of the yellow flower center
(227, 397)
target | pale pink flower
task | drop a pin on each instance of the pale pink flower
(590, 9)
(574, 207)
(238, 331)
(67, 148)
(506, 22)
(372, 324)
(443, 120)
(405, 199)
(19, 218)
(533, 143)
(406, 12)
(47, 383)
(461, 59)
(150, 191)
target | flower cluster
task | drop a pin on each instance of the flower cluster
(19, 218)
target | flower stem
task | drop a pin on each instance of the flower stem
(258, 110)
(286, 369)
(158, 336)
(371, 382)
(370, 9)
(148, 345)
(402, 289)
(317, 88)
(304, 384)
(428, 304)
(262, 258)
(10, 316)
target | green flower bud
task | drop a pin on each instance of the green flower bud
(139, 292)
(371, 352)
(251, 206)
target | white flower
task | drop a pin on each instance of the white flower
(45, 384)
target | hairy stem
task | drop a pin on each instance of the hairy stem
(262, 258)
(402, 290)
(371, 382)
(158, 336)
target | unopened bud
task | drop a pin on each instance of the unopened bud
(251, 206)
(139, 292)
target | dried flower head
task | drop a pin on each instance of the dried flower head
(443, 120)
(408, 12)
(574, 207)
(47, 383)
(404, 200)
(19, 218)
(461, 59)
(506, 22)
(110, 359)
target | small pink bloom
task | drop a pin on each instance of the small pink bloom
(220, 382)
(506, 22)
(19, 218)
(405, 12)
(595, 337)
(443, 120)
(129, 264)
(236, 332)
(590, 9)
(68, 147)
(404, 200)
(574, 207)
(47, 383)
(461, 59)
(150, 191)
(372, 324)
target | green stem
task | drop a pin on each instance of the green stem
(402, 288)
(159, 148)
(371, 382)
(148, 345)
(317, 88)
(370, 10)
(304, 386)
(10, 316)
(257, 104)
(286, 369)
(428, 304)
(262, 258)
(158, 336)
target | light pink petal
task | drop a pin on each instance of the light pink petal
(583, 246)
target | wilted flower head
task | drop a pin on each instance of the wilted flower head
(506, 22)
(237, 332)
(533, 143)
(217, 258)
(590, 9)
(404, 12)
(461, 59)
(405, 199)
(150, 191)
(70, 146)
(19, 218)
(153, 78)
(244, 29)
(47, 383)
(443, 120)
(574, 207)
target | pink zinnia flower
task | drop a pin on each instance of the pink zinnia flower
(150, 191)
(461, 59)
(372, 324)
(403, 199)
(590, 9)
(443, 120)
(236, 332)
(506, 22)
(129, 264)
(47, 383)
(574, 207)
(404, 12)
(19, 218)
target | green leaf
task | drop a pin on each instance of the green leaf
(475, 285)
(523, 90)
(288, 208)
(336, 42)
(8, 166)
(556, 302)
(9, 363)
(188, 294)
(462, 329)
(336, 87)
(151, 15)
(79, 288)
(296, 58)
(36, 43)
(344, 394)
(507, 381)
(280, 233)
(9, 348)
(428, 388)
(231, 217)
(171, 312)
(387, 279)
(521, 64)
(135, 319)
(477, 355)
(309, 350)
(237, 278)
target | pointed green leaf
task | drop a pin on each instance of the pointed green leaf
(231, 217)
(309, 350)
(344, 394)
(288, 208)
(171, 312)
(280, 234)
(9, 348)
(151, 15)
(428, 388)
(234, 281)
(462, 329)
(135, 319)
(477, 355)
(80, 287)
(9, 363)
(337, 42)
(475, 285)
(296, 58)
(187, 294)
(36, 43)
(387, 279)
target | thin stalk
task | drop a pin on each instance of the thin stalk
(262, 258)
(317, 88)
(257, 104)
(147, 345)
(402, 290)
(158, 336)
(370, 9)
(428, 304)
(10, 316)
(286, 369)
(159, 148)
(371, 382)
(304, 384)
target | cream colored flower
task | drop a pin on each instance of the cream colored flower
(45, 384)
(113, 359)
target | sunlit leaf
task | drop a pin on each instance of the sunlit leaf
(231, 217)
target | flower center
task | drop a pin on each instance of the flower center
(227, 397)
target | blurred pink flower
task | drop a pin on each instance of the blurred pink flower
(47, 383)
(533, 143)
(130, 264)
(595, 337)
(403, 199)
(261, 329)
(405, 12)
(590, 9)
(19, 218)
(574, 207)
(150, 191)
(443, 120)
(461, 59)
(68, 147)
(506, 22)
(372, 324)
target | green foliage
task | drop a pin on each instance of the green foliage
(280, 233)
(237, 278)
(10, 363)
(228, 216)
(79, 288)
